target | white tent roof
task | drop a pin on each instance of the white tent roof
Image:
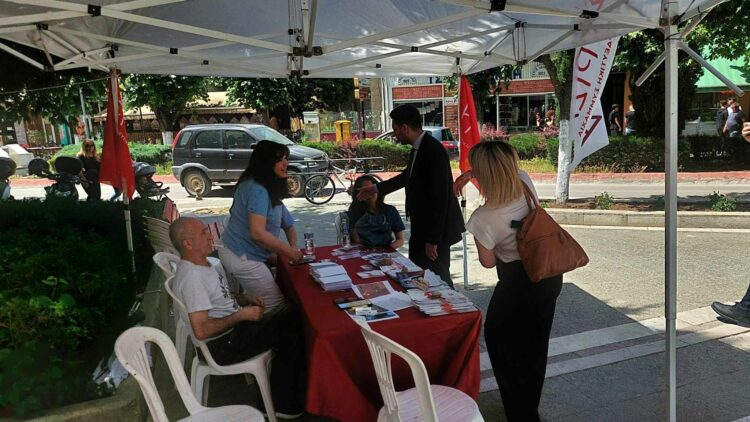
(369, 38)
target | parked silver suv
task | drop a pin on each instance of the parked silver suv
(218, 153)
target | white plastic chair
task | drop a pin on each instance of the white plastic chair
(424, 402)
(199, 375)
(130, 349)
(167, 262)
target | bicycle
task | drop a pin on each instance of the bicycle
(320, 188)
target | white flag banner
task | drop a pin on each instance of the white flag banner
(588, 124)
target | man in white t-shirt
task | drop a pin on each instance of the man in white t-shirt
(236, 327)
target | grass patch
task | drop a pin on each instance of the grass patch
(538, 165)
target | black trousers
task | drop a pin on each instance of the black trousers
(441, 266)
(280, 330)
(516, 330)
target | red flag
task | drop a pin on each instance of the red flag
(469, 126)
(116, 163)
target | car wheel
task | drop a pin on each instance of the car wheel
(295, 183)
(196, 183)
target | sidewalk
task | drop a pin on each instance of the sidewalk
(727, 176)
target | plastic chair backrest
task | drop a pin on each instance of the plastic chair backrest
(130, 349)
(184, 315)
(381, 348)
(167, 262)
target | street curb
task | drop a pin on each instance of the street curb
(685, 219)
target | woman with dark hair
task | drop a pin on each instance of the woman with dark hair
(91, 163)
(372, 222)
(256, 218)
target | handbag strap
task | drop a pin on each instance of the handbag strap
(530, 198)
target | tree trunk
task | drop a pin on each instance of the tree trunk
(559, 66)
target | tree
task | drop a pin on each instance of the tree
(28, 91)
(168, 96)
(297, 94)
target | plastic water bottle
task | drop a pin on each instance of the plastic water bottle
(345, 240)
(309, 242)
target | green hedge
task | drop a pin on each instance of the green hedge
(627, 154)
(395, 155)
(64, 297)
(529, 145)
(148, 153)
(714, 147)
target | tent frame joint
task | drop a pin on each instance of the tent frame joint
(94, 10)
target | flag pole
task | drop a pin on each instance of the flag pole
(115, 87)
(463, 189)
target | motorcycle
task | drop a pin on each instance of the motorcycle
(144, 182)
(66, 176)
(7, 169)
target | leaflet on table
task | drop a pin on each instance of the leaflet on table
(371, 290)
(336, 278)
(327, 270)
(372, 313)
(371, 274)
(428, 280)
(440, 301)
(382, 294)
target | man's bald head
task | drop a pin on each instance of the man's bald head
(183, 229)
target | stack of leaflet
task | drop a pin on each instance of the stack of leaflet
(440, 301)
(331, 277)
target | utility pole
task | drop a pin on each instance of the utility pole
(83, 115)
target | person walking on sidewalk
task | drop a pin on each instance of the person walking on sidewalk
(739, 313)
(520, 314)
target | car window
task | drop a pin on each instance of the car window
(437, 134)
(184, 139)
(266, 133)
(448, 135)
(237, 139)
(208, 139)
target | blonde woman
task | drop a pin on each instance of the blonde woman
(520, 313)
(90, 162)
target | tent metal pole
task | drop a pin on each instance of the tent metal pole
(671, 45)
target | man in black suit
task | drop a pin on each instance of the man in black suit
(436, 220)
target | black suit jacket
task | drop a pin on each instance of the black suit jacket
(434, 211)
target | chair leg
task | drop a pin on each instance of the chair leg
(199, 381)
(180, 338)
(264, 385)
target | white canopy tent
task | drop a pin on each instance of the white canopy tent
(362, 38)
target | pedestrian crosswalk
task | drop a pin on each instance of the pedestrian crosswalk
(591, 349)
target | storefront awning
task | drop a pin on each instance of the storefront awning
(737, 71)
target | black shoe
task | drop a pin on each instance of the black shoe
(732, 313)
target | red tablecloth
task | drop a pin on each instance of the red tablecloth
(341, 379)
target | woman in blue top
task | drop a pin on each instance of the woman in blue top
(372, 222)
(256, 219)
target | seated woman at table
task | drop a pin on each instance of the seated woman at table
(372, 222)
(519, 316)
(251, 236)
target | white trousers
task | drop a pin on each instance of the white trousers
(254, 277)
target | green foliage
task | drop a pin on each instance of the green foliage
(720, 202)
(726, 18)
(636, 51)
(395, 155)
(55, 95)
(298, 94)
(528, 145)
(553, 148)
(718, 147)
(64, 297)
(604, 201)
(167, 95)
(628, 154)
(148, 153)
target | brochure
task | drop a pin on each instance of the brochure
(372, 313)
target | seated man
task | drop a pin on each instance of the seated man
(236, 328)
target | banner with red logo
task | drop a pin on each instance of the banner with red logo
(468, 125)
(116, 164)
(588, 123)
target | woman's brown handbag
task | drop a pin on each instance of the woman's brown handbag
(546, 249)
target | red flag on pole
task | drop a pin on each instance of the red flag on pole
(116, 165)
(469, 127)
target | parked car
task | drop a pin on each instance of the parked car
(218, 153)
(442, 134)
